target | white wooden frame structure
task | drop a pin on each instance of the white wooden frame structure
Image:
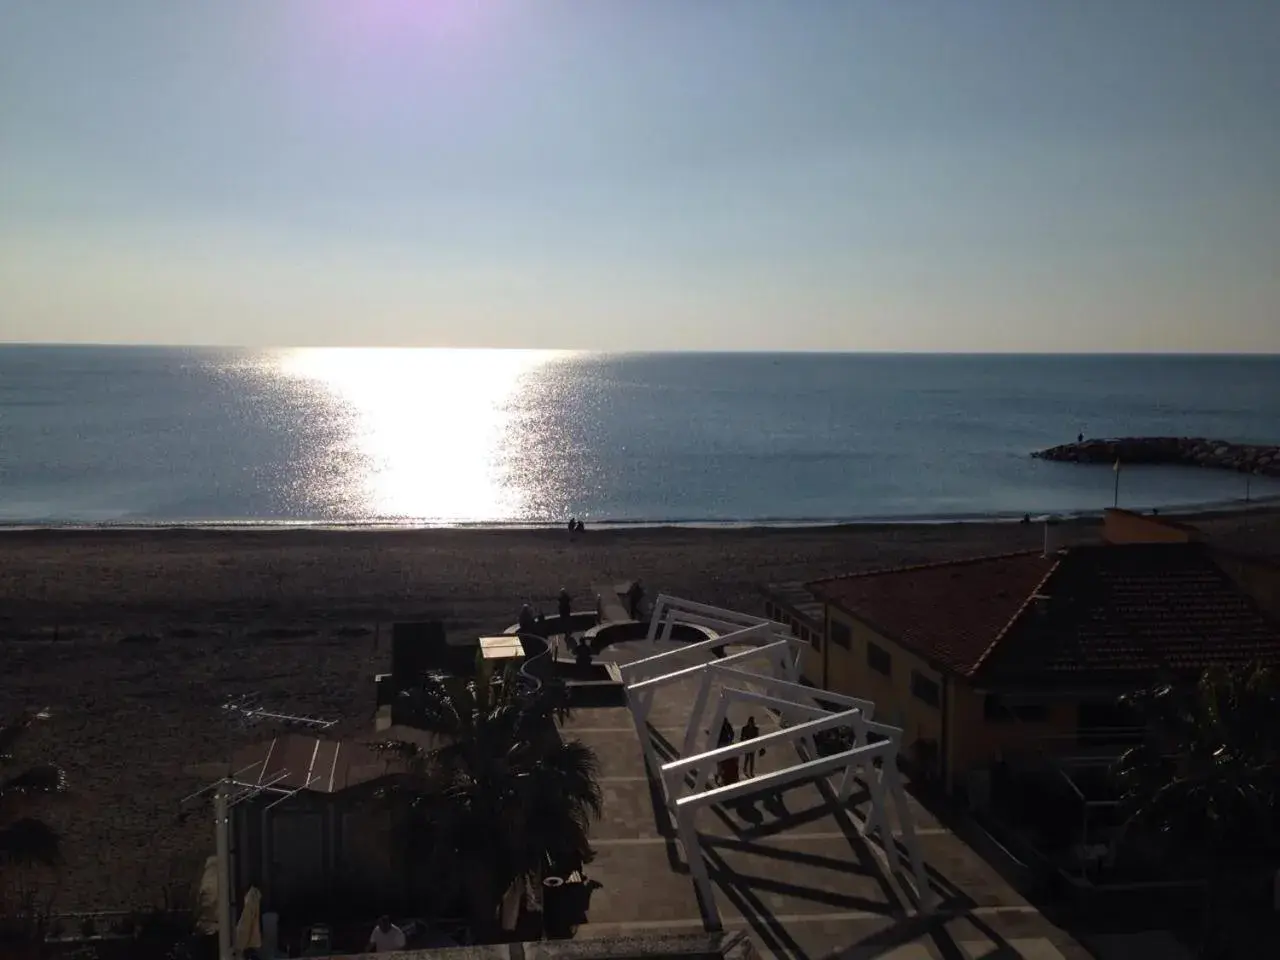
(801, 711)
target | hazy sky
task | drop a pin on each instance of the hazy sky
(847, 174)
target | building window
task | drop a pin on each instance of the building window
(814, 638)
(922, 688)
(841, 635)
(995, 710)
(1107, 722)
(878, 659)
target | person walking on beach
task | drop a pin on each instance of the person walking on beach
(565, 606)
(749, 732)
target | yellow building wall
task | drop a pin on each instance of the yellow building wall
(976, 742)
(811, 665)
(973, 742)
(848, 673)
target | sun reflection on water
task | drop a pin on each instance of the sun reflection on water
(429, 427)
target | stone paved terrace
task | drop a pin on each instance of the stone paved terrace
(801, 881)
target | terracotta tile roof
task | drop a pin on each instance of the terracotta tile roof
(950, 613)
(1099, 613)
(1116, 611)
(1258, 544)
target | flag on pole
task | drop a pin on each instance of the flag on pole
(1116, 468)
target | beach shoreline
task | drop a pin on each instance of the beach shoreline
(1209, 509)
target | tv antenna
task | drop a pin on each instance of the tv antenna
(242, 785)
(246, 711)
(230, 791)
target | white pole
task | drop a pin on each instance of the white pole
(222, 833)
(692, 844)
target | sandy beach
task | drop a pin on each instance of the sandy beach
(134, 639)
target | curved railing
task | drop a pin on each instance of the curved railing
(530, 682)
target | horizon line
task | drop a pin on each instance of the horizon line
(637, 351)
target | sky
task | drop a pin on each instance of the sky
(992, 175)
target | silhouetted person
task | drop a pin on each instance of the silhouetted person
(581, 526)
(635, 593)
(386, 937)
(526, 619)
(564, 606)
(726, 770)
(1079, 438)
(749, 732)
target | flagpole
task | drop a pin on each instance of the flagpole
(1116, 500)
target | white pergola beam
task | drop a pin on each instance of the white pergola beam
(809, 694)
(667, 603)
(805, 711)
(769, 782)
(670, 610)
(741, 635)
(684, 672)
(738, 693)
(741, 746)
(716, 623)
(673, 772)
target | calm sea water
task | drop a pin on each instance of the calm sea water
(160, 435)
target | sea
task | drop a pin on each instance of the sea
(141, 436)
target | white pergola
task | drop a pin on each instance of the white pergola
(800, 713)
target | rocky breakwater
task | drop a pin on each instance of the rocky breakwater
(1263, 459)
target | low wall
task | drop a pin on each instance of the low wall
(697, 946)
(607, 634)
(1262, 459)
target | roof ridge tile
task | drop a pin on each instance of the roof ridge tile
(1004, 631)
(928, 565)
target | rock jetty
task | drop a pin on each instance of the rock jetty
(1261, 459)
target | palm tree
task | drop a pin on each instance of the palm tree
(1207, 777)
(25, 839)
(503, 796)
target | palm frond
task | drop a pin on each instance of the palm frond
(435, 706)
(1207, 776)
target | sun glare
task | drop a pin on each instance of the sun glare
(392, 20)
(431, 426)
